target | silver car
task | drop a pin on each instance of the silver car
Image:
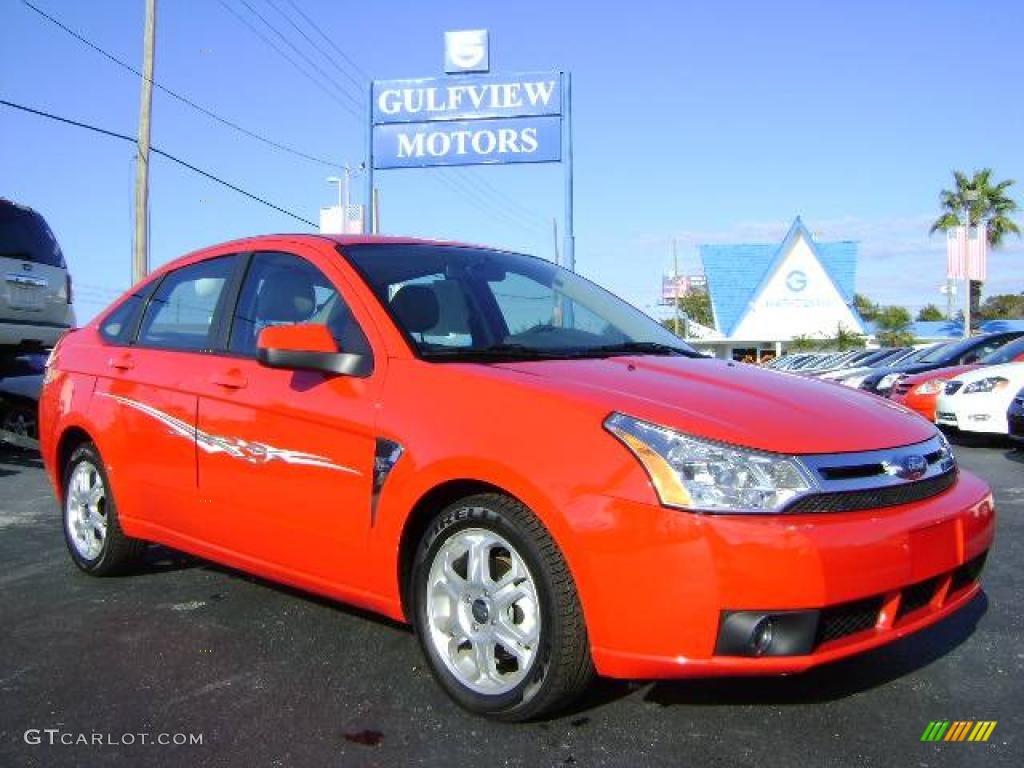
(35, 286)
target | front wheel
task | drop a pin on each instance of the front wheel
(496, 611)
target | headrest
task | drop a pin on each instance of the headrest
(416, 308)
(286, 296)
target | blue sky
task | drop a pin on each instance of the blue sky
(709, 122)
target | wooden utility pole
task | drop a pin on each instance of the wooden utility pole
(140, 255)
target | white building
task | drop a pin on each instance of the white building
(764, 295)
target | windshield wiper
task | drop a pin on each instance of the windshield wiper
(638, 348)
(494, 353)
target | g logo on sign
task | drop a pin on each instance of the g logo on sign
(466, 51)
(796, 281)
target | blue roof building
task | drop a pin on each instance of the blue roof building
(765, 294)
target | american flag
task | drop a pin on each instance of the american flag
(977, 254)
(956, 253)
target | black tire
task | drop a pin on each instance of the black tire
(562, 668)
(117, 552)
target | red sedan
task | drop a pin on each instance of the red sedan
(538, 477)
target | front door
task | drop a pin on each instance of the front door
(286, 457)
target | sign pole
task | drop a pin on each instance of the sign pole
(370, 220)
(569, 250)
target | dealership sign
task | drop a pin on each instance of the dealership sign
(467, 120)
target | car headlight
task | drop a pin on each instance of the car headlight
(691, 473)
(933, 387)
(889, 380)
(853, 381)
(991, 384)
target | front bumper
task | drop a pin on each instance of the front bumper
(972, 413)
(660, 584)
(923, 405)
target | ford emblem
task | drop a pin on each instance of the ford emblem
(912, 467)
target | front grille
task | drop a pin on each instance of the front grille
(917, 596)
(847, 619)
(888, 496)
(901, 388)
(968, 573)
(952, 387)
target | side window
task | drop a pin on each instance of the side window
(118, 324)
(182, 311)
(284, 289)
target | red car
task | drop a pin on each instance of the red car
(920, 391)
(538, 477)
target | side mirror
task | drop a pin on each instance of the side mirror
(307, 346)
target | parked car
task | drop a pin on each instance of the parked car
(1015, 417)
(538, 477)
(964, 352)
(35, 285)
(920, 391)
(977, 401)
(852, 377)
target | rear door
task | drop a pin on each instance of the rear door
(147, 400)
(286, 457)
(33, 275)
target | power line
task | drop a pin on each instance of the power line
(162, 153)
(359, 70)
(173, 94)
(270, 44)
(361, 86)
(302, 54)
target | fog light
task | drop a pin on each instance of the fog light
(761, 637)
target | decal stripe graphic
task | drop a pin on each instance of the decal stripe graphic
(236, 447)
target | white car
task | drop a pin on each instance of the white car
(977, 401)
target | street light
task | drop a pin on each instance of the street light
(344, 182)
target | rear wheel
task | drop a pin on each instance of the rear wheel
(496, 611)
(91, 528)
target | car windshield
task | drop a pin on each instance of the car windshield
(949, 351)
(1005, 354)
(462, 303)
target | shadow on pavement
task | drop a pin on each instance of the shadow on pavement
(11, 456)
(834, 681)
(1016, 454)
(977, 439)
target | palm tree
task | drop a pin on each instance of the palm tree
(984, 201)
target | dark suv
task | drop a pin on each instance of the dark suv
(35, 286)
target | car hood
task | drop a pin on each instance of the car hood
(1012, 371)
(732, 402)
(939, 373)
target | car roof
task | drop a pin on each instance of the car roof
(254, 242)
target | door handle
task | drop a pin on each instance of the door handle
(232, 379)
(122, 362)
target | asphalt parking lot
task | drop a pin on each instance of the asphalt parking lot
(267, 676)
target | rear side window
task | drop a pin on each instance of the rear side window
(182, 311)
(117, 327)
(25, 235)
